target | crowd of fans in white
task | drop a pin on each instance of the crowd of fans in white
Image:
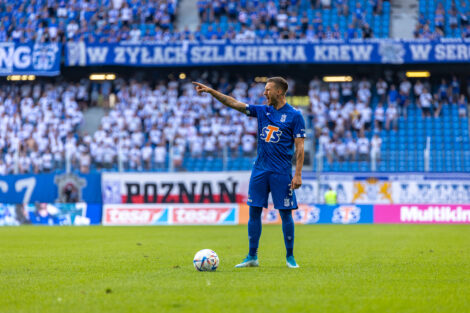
(344, 112)
(39, 124)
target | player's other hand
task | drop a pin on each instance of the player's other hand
(200, 88)
(296, 182)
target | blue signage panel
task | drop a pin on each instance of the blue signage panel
(342, 214)
(50, 188)
(221, 52)
(42, 59)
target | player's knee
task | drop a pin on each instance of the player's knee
(286, 216)
(255, 212)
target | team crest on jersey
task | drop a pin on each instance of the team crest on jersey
(283, 118)
(271, 134)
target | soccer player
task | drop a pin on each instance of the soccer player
(280, 127)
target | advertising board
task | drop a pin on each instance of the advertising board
(202, 187)
(50, 214)
(316, 214)
(422, 213)
(167, 214)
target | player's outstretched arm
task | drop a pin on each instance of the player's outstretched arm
(299, 163)
(224, 99)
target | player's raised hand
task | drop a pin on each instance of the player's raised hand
(296, 182)
(200, 88)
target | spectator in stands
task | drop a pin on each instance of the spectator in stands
(439, 17)
(453, 19)
(436, 105)
(342, 7)
(376, 144)
(381, 88)
(379, 116)
(341, 150)
(444, 91)
(454, 89)
(462, 106)
(85, 162)
(359, 15)
(248, 145)
(425, 103)
(391, 114)
(366, 31)
(464, 14)
(363, 147)
(351, 148)
(466, 32)
(418, 89)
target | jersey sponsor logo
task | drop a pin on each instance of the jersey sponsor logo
(271, 134)
(283, 118)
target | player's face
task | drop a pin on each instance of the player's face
(271, 93)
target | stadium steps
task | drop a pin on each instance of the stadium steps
(187, 15)
(92, 119)
(404, 17)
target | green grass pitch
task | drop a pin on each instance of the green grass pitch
(354, 268)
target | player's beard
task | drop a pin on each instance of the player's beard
(272, 101)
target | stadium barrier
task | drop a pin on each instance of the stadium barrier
(226, 214)
(218, 198)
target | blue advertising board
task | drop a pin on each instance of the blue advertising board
(222, 52)
(334, 214)
(42, 59)
(50, 188)
(50, 214)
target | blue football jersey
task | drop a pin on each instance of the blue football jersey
(277, 130)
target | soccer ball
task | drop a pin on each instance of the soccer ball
(206, 260)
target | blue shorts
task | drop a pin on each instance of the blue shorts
(264, 182)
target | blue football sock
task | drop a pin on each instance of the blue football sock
(254, 229)
(288, 230)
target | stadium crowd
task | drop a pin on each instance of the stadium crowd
(348, 120)
(111, 21)
(40, 123)
(260, 19)
(89, 20)
(451, 19)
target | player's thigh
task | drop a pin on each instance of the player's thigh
(258, 190)
(282, 194)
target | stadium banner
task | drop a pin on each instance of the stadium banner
(202, 187)
(50, 188)
(42, 59)
(422, 214)
(78, 214)
(176, 214)
(383, 188)
(316, 214)
(224, 52)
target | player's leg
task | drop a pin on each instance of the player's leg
(254, 229)
(288, 231)
(258, 192)
(285, 201)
